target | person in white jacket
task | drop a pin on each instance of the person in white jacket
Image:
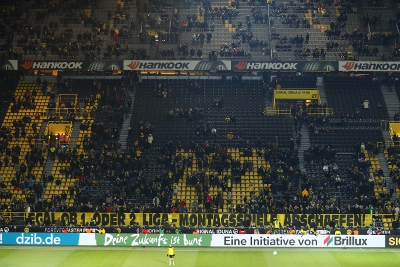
(365, 104)
(362, 148)
(150, 139)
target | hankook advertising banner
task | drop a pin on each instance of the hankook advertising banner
(306, 66)
(182, 65)
(202, 65)
(97, 65)
(369, 66)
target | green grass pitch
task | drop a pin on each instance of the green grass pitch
(188, 257)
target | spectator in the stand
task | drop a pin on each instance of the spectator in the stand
(246, 222)
(305, 193)
(149, 141)
(365, 104)
(362, 148)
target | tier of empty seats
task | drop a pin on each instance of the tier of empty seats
(347, 95)
(243, 102)
(346, 138)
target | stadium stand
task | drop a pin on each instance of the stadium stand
(225, 29)
(356, 97)
(197, 143)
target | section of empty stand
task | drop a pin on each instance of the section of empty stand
(355, 97)
(187, 109)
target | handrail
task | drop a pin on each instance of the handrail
(67, 98)
(48, 112)
(311, 111)
(380, 146)
(392, 143)
(384, 125)
(60, 122)
(320, 111)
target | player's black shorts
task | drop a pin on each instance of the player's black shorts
(171, 256)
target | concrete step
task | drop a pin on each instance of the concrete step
(387, 179)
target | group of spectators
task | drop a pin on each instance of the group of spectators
(258, 15)
(357, 183)
(204, 31)
(183, 51)
(98, 162)
(372, 21)
(139, 53)
(396, 52)
(394, 172)
(216, 168)
(292, 20)
(349, 7)
(57, 36)
(297, 40)
(326, 175)
(302, 53)
(335, 30)
(191, 114)
(167, 53)
(285, 43)
(122, 173)
(226, 51)
(257, 44)
(193, 24)
(25, 179)
(365, 50)
(221, 12)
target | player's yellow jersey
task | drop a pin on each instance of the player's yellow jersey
(171, 251)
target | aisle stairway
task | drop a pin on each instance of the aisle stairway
(321, 90)
(123, 135)
(382, 183)
(392, 102)
(390, 167)
(305, 144)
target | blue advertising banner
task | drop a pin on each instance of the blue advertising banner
(39, 239)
